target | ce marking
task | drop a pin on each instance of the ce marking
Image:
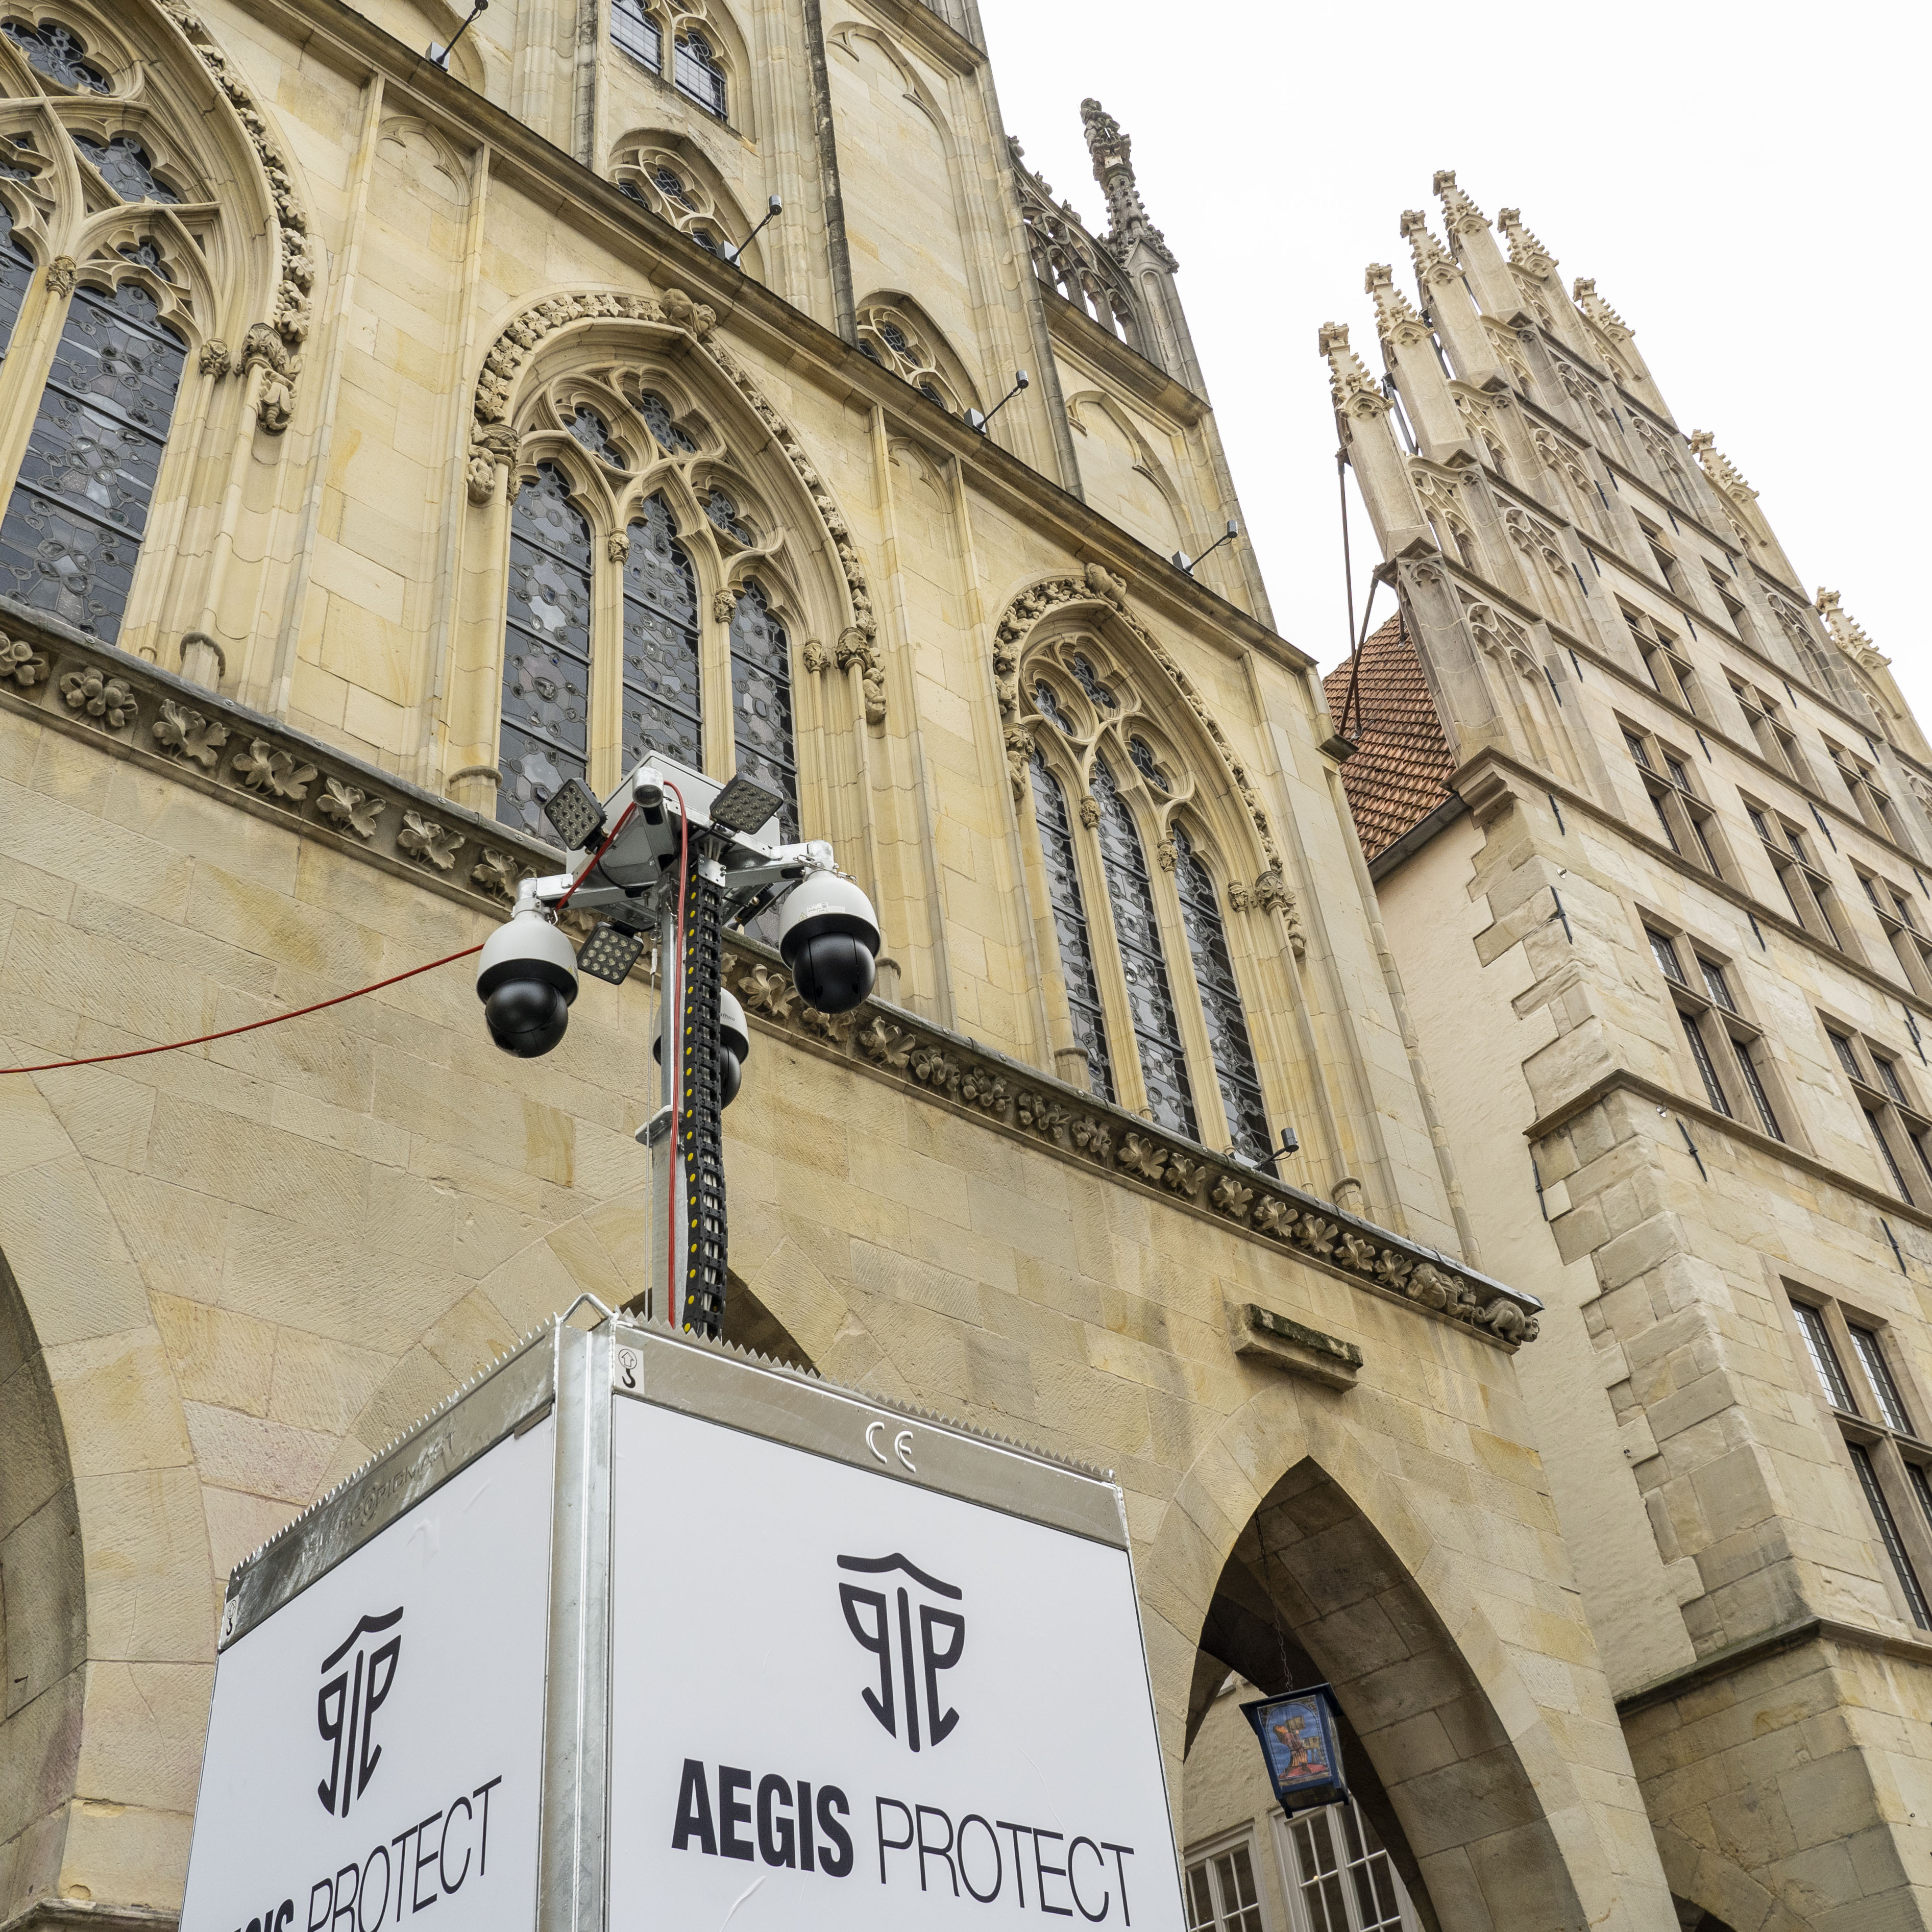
(901, 1446)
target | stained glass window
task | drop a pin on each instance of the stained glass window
(594, 433)
(546, 652)
(1048, 699)
(1070, 924)
(1137, 926)
(722, 511)
(656, 413)
(663, 699)
(55, 51)
(698, 73)
(705, 240)
(930, 390)
(74, 528)
(124, 166)
(670, 185)
(1101, 695)
(1145, 763)
(17, 270)
(761, 703)
(1220, 1003)
(636, 33)
(895, 337)
(866, 349)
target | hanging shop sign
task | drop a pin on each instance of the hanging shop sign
(1301, 1743)
(640, 1633)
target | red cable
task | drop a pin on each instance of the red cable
(320, 1006)
(669, 1019)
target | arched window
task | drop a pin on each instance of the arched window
(1069, 925)
(72, 530)
(633, 30)
(698, 73)
(657, 414)
(1227, 1024)
(58, 52)
(17, 271)
(761, 702)
(123, 164)
(1137, 927)
(664, 697)
(547, 651)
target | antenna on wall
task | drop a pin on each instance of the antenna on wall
(1185, 563)
(441, 55)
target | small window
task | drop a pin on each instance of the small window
(1665, 953)
(1221, 1894)
(1847, 1058)
(1887, 1078)
(1700, 1052)
(1716, 985)
(1638, 750)
(698, 74)
(1824, 1357)
(1871, 1357)
(633, 31)
(1887, 1530)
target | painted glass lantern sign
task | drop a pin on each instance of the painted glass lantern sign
(1300, 1741)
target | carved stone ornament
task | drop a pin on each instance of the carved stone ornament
(500, 873)
(288, 321)
(183, 734)
(617, 547)
(274, 772)
(434, 845)
(262, 349)
(350, 807)
(21, 664)
(61, 275)
(216, 359)
(96, 694)
(724, 604)
(1099, 586)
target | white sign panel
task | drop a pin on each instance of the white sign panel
(376, 1746)
(841, 1700)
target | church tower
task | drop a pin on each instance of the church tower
(1649, 830)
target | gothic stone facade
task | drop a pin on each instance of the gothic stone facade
(387, 441)
(1649, 829)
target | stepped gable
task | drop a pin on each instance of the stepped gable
(1398, 774)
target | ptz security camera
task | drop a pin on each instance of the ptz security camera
(828, 936)
(526, 979)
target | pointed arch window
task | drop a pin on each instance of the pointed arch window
(1137, 927)
(698, 73)
(73, 529)
(633, 30)
(1070, 927)
(664, 699)
(1234, 1053)
(656, 413)
(17, 272)
(547, 652)
(761, 728)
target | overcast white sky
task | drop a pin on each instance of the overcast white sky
(1746, 185)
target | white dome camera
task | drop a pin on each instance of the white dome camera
(734, 1045)
(828, 936)
(526, 979)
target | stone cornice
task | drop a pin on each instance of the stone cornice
(1490, 758)
(1622, 1080)
(132, 710)
(1748, 1651)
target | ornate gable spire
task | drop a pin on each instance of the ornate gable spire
(1114, 169)
(1600, 311)
(1848, 633)
(1460, 215)
(1719, 468)
(1350, 385)
(1433, 266)
(1526, 252)
(1396, 322)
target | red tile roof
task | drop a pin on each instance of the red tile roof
(1396, 778)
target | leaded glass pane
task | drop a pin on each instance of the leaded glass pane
(698, 73)
(72, 530)
(17, 271)
(705, 240)
(1234, 1068)
(656, 413)
(895, 337)
(594, 433)
(1137, 926)
(930, 390)
(1048, 699)
(546, 652)
(55, 51)
(671, 186)
(124, 166)
(664, 707)
(636, 33)
(761, 703)
(1145, 763)
(1101, 695)
(722, 511)
(1070, 924)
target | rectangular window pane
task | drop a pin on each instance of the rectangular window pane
(1666, 954)
(1200, 1900)
(1747, 1050)
(1871, 1356)
(1670, 837)
(1847, 1059)
(1636, 750)
(1704, 843)
(1694, 1033)
(1887, 1530)
(1877, 1127)
(1716, 985)
(1758, 824)
(1824, 1357)
(1888, 1077)
(1922, 1487)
